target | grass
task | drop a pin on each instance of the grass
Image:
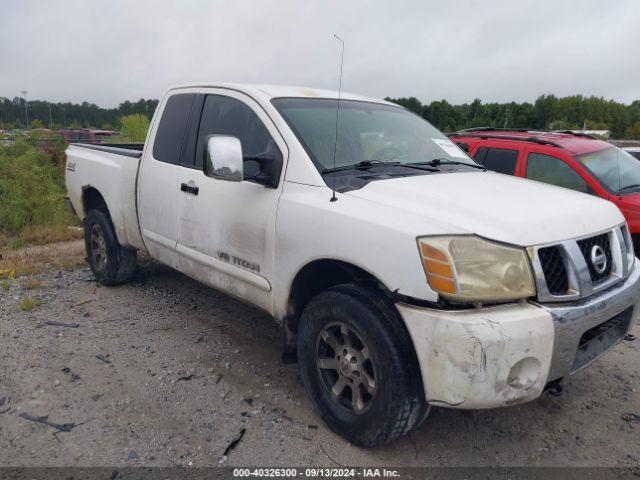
(37, 233)
(32, 210)
(41, 235)
(30, 284)
(7, 272)
(44, 234)
(40, 258)
(29, 304)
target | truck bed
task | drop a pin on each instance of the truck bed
(127, 149)
(111, 170)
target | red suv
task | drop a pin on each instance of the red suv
(565, 159)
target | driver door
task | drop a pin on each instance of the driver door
(226, 229)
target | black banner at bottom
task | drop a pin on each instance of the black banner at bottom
(418, 473)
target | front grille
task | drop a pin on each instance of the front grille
(564, 271)
(636, 243)
(555, 272)
(597, 340)
(586, 247)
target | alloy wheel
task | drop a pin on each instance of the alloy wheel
(346, 368)
(98, 247)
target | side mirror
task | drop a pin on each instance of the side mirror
(223, 158)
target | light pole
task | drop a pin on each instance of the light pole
(26, 110)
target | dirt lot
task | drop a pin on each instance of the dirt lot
(164, 371)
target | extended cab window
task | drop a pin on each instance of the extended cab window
(228, 116)
(499, 160)
(171, 129)
(548, 169)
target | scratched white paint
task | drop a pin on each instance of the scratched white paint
(466, 357)
(114, 176)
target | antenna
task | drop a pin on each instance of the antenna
(335, 146)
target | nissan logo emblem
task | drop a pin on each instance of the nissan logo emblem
(598, 259)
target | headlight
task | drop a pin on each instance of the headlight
(470, 269)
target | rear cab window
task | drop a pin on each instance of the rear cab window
(172, 127)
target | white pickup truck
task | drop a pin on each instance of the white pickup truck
(402, 274)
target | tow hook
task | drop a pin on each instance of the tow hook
(554, 388)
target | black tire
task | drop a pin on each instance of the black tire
(110, 263)
(397, 403)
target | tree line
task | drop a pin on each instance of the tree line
(547, 112)
(69, 115)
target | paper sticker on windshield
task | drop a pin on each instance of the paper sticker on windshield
(450, 148)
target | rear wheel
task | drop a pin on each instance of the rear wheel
(109, 261)
(359, 367)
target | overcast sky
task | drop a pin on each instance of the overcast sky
(107, 51)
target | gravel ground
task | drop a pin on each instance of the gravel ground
(164, 371)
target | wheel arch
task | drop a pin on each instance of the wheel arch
(313, 278)
(92, 199)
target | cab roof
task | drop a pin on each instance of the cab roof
(577, 143)
(269, 92)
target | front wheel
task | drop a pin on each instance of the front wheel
(358, 365)
(109, 261)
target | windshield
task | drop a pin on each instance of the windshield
(367, 132)
(614, 168)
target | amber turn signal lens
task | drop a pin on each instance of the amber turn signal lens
(438, 268)
(430, 252)
(439, 272)
(441, 285)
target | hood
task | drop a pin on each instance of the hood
(495, 206)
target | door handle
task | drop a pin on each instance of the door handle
(192, 189)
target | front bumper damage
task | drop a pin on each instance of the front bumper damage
(506, 354)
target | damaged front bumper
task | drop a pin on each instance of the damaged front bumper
(586, 329)
(506, 354)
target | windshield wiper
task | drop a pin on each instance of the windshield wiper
(440, 161)
(627, 187)
(362, 164)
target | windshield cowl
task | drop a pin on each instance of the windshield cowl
(348, 179)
